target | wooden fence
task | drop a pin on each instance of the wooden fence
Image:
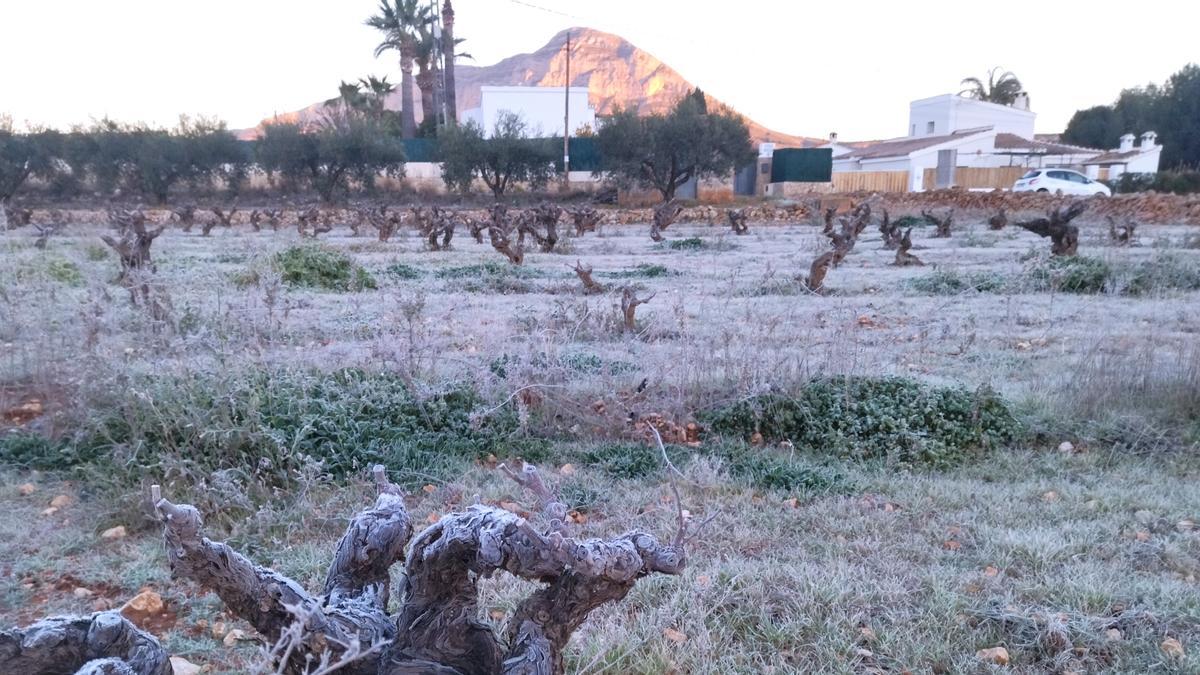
(979, 178)
(870, 181)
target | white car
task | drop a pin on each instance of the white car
(1060, 180)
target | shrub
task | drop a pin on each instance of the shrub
(891, 417)
(589, 364)
(26, 450)
(493, 277)
(642, 271)
(769, 470)
(905, 222)
(689, 244)
(269, 426)
(95, 252)
(626, 460)
(313, 266)
(1164, 273)
(490, 268)
(64, 271)
(950, 282)
(405, 272)
(1076, 274)
(752, 466)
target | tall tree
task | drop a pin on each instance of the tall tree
(345, 146)
(665, 151)
(505, 157)
(427, 77)
(1001, 87)
(23, 155)
(448, 46)
(400, 21)
(1172, 110)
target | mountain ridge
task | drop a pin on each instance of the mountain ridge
(616, 73)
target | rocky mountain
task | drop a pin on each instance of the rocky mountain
(616, 73)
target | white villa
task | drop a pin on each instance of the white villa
(951, 141)
(541, 108)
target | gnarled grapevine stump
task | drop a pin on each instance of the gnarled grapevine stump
(101, 643)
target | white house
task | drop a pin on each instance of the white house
(1127, 159)
(948, 113)
(542, 108)
(952, 132)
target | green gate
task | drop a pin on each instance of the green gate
(802, 165)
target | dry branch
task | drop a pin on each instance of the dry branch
(890, 231)
(941, 223)
(815, 281)
(738, 221)
(312, 222)
(586, 219)
(1121, 235)
(225, 218)
(998, 221)
(629, 304)
(385, 222)
(664, 215)
(184, 216)
(590, 285)
(1064, 237)
(903, 257)
(500, 233)
(48, 230)
(132, 245)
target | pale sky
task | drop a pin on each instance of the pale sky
(805, 68)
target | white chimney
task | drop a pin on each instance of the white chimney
(833, 137)
(1021, 102)
(1149, 140)
(1127, 142)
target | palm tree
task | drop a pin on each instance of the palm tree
(448, 45)
(375, 91)
(427, 75)
(399, 22)
(1002, 87)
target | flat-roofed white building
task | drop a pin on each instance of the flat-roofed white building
(542, 108)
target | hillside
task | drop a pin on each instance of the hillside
(617, 74)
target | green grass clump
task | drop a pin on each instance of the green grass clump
(64, 271)
(268, 426)
(1164, 273)
(313, 266)
(95, 252)
(642, 271)
(894, 418)
(575, 362)
(689, 244)
(31, 451)
(951, 282)
(404, 272)
(1075, 274)
(493, 277)
(756, 467)
(491, 268)
(905, 222)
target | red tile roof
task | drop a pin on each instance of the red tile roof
(1015, 142)
(901, 147)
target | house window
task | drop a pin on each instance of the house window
(929, 127)
(913, 131)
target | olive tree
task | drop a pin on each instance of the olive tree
(23, 155)
(507, 156)
(344, 146)
(664, 151)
